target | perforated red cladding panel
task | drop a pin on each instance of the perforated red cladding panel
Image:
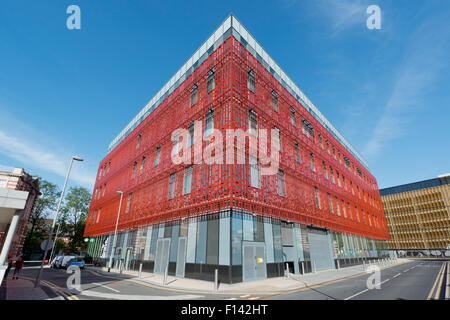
(222, 186)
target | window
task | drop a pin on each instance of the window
(343, 182)
(253, 123)
(211, 80)
(330, 203)
(187, 180)
(343, 208)
(172, 185)
(139, 141)
(209, 122)
(129, 202)
(93, 217)
(338, 179)
(274, 101)
(364, 216)
(254, 172)
(312, 162)
(104, 190)
(347, 162)
(293, 117)
(100, 172)
(307, 128)
(158, 151)
(357, 214)
(334, 152)
(350, 210)
(328, 146)
(191, 135)
(337, 206)
(104, 170)
(251, 80)
(100, 193)
(320, 140)
(281, 190)
(194, 94)
(278, 135)
(98, 215)
(316, 194)
(325, 170)
(109, 165)
(332, 175)
(175, 148)
(134, 170)
(142, 164)
(351, 185)
(297, 152)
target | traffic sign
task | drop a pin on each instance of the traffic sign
(44, 244)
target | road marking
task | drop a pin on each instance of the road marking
(114, 296)
(102, 285)
(356, 294)
(253, 298)
(247, 295)
(232, 299)
(435, 282)
(398, 274)
(384, 281)
(438, 289)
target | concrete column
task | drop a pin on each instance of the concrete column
(9, 237)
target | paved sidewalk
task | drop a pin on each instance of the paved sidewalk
(271, 285)
(23, 289)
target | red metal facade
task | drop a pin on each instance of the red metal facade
(223, 186)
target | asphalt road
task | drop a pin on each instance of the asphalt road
(98, 286)
(415, 280)
(410, 281)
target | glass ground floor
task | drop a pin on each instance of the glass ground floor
(239, 245)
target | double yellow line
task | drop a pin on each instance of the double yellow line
(61, 291)
(439, 279)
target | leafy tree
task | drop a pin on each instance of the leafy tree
(73, 215)
(45, 205)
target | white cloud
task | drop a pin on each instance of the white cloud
(32, 154)
(344, 14)
(426, 59)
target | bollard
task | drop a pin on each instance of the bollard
(364, 265)
(287, 270)
(303, 267)
(216, 279)
(338, 266)
(314, 264)
(165, 275)
(140, 270)
(121, 266)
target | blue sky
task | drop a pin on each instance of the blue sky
(65, 92)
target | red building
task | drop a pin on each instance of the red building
(320, 206)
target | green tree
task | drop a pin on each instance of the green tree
(73, 216)
(45, 206)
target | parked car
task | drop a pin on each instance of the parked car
(65, 261)
(56, 263)
(78, 261)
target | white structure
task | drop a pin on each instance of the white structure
(12, 203)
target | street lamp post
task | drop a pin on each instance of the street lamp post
(38, 278)
(115, 232)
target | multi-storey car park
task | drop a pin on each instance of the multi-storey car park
(418, 216)
(321, 206)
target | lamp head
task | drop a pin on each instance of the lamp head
(76, 158)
